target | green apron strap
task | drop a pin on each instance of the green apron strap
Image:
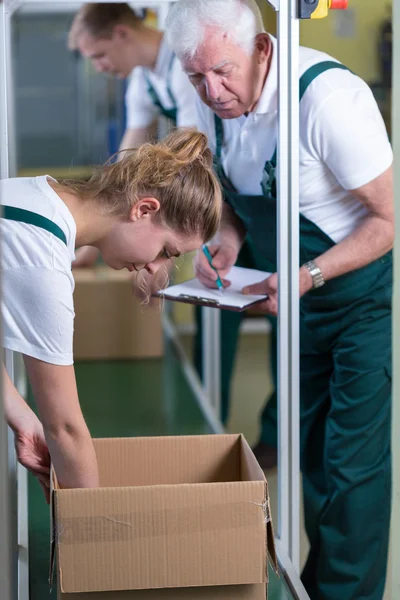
(306, 79)
(273, 160)
(313, 72)
(152, 92)
(11, 213)
(219, 135)
(167, 112)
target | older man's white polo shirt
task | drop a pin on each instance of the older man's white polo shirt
(343, 143)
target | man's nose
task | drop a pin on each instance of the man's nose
(213, 87)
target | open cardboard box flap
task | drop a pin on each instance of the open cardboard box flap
(170, 512)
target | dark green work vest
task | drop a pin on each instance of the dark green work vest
(259, 216)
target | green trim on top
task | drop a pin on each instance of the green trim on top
(11, 213)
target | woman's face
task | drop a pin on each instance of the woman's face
(143, 242)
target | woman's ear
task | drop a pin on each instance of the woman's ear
(144, 208)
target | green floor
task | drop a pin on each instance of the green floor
(123, 399)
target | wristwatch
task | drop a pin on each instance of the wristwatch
(316, 274)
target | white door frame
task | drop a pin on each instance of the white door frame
(394, 573)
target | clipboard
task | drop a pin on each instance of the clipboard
(194, 292)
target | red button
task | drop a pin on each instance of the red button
(339, 4)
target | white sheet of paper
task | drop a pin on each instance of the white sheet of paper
(231, 296)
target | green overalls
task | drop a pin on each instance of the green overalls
(345, 395)
(169, 113)
(229, 334)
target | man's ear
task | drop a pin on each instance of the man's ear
(263, 47)
(144, 208)
(121, 31)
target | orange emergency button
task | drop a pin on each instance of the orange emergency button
(338, 4)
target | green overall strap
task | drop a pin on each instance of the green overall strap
(153, 94)
(11, 213)
(219, 135)
(313, 72)
(307, 78)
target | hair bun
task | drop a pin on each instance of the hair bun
(188, 145)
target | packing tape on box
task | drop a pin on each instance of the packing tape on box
(264, 505)
(183, 520)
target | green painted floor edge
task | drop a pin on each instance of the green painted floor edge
(123, 399)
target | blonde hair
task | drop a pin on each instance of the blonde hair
(99, 20)
(177, 171)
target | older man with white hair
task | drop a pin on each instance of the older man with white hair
(346, 237)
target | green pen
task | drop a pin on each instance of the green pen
(220, 285)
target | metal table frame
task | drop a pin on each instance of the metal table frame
(288, 344)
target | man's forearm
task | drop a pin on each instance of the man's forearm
(373, 237)
(133, 138)
(231, 231)
(371, 240)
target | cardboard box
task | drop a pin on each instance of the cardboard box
(171, 512)
(110, 322)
